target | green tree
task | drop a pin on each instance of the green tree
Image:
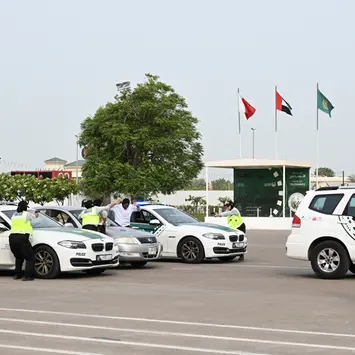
(325, 172)
(144, 143)
(222, 184)
(196, 202)
(61, 188)
(196, 185)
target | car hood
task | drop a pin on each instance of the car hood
(208, 228)
(74, 234)
(117, 232)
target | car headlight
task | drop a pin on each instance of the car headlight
(215, 236)
(72, 244)
(126, 240)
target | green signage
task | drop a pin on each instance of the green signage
(259, 192)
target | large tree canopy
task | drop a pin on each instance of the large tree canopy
(144, 143)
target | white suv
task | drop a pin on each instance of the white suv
(323, 232)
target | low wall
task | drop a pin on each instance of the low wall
(268, 223)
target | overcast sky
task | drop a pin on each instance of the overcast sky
(60, 60)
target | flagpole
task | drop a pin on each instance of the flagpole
(276, 134)
(240, 131)
(317, 141)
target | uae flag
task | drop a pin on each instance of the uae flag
(282, 104)
(249, 110)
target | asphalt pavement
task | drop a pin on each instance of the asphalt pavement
(266, 304)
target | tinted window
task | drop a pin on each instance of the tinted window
(174, 216)
(325, 203)
(350, 207)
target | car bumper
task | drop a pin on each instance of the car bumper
(139, 252)
(84, 259)
(226, 248)
(296, 248)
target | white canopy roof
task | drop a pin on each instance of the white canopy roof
(256, 164)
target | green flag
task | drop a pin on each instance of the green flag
(324, 104)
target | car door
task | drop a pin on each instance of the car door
(347, 219)
(6, 257)
(140, 220)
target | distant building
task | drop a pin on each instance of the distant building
(61, 164)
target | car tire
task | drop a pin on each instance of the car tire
(95, 271)
(352, 268)
(191, 251)
(226, 259)
(46, 264)
(330, 260)
(138, 264)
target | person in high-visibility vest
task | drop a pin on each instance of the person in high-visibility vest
(235, 219)
(91, 215)
(103, 217)
(20, 245)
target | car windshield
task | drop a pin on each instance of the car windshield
(174, 216)
(42, 221)
(76, 213)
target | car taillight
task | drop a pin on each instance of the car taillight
(296, 222)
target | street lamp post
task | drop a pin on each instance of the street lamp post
(77, 159)
(253, 129)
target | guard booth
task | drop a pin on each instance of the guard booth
(266, 188)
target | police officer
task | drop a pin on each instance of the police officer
(91, 215)
(103, 217)
(20, 245)
(235, 219)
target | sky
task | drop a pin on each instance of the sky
(61, 60)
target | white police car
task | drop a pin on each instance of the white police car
(59, 249)
(323, 232)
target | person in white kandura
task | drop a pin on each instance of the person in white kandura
(123, 212)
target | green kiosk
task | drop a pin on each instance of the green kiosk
(266, 188)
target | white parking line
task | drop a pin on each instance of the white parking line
(182, 348)
(171, 334)
(45, 350)
(129, 343)
(199, 324)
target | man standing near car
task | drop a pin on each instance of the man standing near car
(103, 217)
(123, 212)
(235, 219)
(20, 245)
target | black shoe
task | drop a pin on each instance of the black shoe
(17, 277)
(27, 278)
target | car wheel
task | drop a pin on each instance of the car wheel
(226, 259)
(95, 271)
(191, 251)
(330, 260)
(46, 264)
(138, 264)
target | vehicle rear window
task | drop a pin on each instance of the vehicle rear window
(325, 203)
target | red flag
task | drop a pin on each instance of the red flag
(249, 110)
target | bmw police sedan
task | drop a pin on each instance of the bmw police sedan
(58, 249)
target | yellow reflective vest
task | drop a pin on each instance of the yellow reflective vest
(20, 224)
(235, 221)
(91, 217)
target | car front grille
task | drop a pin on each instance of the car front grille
(109, 246)
(147, 240)
(236, 238)
(97, 247)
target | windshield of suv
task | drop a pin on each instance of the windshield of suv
(175, 216)
(43, 221)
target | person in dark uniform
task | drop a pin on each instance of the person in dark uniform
(91, 215)
(103, 217)
(20, 245)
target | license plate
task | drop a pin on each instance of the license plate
(152, 251)
(104, 257)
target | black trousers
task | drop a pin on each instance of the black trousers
(91, 227)
(22, 249)
(101, 228)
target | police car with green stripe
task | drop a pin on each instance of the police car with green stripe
(58, 249)
(184, 237)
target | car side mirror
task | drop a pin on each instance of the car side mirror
(69, 225)
(154, 222)
(3, 228)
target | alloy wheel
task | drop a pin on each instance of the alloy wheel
(43, 262)
(190, 250)
(328, 260)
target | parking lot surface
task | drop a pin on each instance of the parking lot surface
(266, 304)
